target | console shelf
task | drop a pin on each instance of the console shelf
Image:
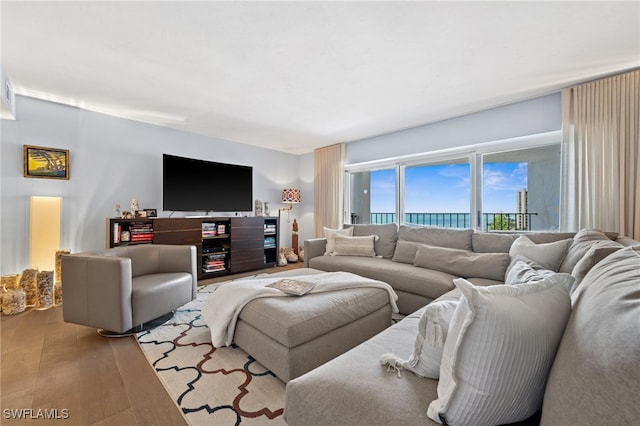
(225, 245)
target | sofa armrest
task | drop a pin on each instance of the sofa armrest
(313, 248)
(97, 291)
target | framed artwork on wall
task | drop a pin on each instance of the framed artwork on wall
(43, 162)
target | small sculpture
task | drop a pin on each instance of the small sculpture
(282, 260)
(290, 255)
(259, 207)
(134, 207)
(117, 213)
(265, 206)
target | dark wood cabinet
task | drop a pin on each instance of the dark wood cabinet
(247, 244)
(224, 244)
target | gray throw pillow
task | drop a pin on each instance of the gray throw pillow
(581, 244)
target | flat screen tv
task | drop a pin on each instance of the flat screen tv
(189, 184)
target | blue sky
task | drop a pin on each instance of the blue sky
(446, 188)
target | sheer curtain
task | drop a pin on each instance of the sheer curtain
(328, 188)
(601, 155)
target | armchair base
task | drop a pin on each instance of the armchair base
(139, 328)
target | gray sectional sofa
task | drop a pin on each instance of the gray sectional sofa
(593, 375)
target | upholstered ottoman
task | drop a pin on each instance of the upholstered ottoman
(293, 335)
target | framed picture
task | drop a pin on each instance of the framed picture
(151, 212)
(43, 162)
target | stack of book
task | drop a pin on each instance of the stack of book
(141, 232)
(209, 230)
(269, 242)
(214, 263)
(269, 228)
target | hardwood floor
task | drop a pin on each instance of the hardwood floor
(79, 376)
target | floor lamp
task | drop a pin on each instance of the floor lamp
(291, 196)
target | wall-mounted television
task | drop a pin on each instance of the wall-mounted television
(189, 184)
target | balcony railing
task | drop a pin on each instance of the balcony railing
(490, 221)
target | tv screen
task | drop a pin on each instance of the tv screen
(189, 184)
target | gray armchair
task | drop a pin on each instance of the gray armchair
(126, 287)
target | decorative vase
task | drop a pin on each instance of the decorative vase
(13, 302)
(45, 290)
(29, 284)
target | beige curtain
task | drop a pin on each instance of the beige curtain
(328, 187)
(601, 155)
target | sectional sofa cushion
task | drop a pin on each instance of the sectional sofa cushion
(582, 242)
(354, 246)
(463, 263)
(595, 378)
(487, 242)
(443, 237)
(385, 245)
(547, 255)
(501, 344)
(429, 283)
(330, 234)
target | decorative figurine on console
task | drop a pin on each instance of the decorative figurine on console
(265, 208)
(259, 208)
(134, 206)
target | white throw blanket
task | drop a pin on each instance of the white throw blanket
(223, 306)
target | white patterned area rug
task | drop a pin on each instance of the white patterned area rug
(223, 386)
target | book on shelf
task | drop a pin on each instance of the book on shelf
(116, 232)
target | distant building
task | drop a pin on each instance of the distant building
(522, 218)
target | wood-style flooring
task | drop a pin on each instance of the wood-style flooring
(51, 369)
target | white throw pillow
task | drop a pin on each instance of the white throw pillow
(429, 344)
(522, 270)
(501, 344)
(354, 246)
(330, 234)
(432, 333)
(549, 255)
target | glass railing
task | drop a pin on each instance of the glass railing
(490, 221)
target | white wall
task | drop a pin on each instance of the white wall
(112, 160)
(531, 117)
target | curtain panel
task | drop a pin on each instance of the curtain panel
(601, 155)
(328, 187)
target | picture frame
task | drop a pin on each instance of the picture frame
(151, 212)
(45, 162)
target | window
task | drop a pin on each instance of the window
(511, 185)
(438, 194)
(521, 189)
(373, 196)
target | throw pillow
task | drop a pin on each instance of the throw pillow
(330, 234)
(432, 333)
(405, 251)
(581, 243)
(354, 246)
(388, 233)
(522, 270)
(549, 255)
(462, 263)
(594, 255)
(501, 344)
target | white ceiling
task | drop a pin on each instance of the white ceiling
(294, 76)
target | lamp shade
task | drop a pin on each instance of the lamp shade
(290, 195)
